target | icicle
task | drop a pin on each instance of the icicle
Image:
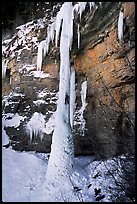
(40, 55)
(58, 25)
(91, 4)
(4, 67)
(71, 29)
(46, 47)
(43, 47)
(83, 93)
(65, 14)
(82, 7)
(78, 36)
(48, 35)
(72, 94)
(52, 29)
(120, 26)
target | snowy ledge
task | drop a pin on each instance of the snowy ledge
(39, 74)
(14, 120)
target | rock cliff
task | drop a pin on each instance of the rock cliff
(106, 64)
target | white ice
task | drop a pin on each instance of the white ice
(4, 67)
(36, 125)
(72, 95)
(83, 93)
(79, 114)
(120, 26)
(50, 124)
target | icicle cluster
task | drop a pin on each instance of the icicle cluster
(80, 7)
(53, 30)
(36, 125)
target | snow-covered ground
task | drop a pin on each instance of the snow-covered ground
(24, 173)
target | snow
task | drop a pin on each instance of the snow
(14, 121)
(39, 102)
(5, 138)
(7, 41)
(45, 92)
(27, 67)
(23, 177)
(39, 74)
(29, 70)
(25, 37)
(120, 26)
(22, 173)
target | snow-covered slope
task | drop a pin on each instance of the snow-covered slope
(23, 177)
(22, 173)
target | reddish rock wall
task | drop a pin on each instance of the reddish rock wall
(109, 67)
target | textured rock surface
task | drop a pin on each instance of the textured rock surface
(109, 68)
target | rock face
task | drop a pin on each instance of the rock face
(106, 64)
(109, 67)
